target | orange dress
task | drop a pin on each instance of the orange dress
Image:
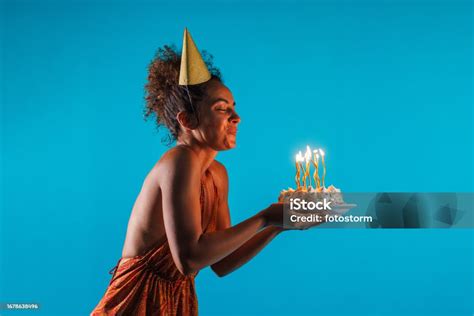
(150, 284)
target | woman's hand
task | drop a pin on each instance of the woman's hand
(273, 215)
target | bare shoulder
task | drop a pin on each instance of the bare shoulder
(219, 172)
(218, 169)
(177, 156)
(177, 163)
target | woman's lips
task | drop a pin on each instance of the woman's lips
(232, 131)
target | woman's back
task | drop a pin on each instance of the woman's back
(145, 226)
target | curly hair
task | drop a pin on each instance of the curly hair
(165, 98)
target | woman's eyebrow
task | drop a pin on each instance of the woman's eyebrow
(221, 99)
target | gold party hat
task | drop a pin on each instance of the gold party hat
(193, 68)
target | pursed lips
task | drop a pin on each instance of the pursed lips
(232, 130)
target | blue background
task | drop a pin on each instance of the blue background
(385, 87)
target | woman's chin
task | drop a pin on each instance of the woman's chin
(229, 144)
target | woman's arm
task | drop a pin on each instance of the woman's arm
(249, 249)
(180, 182)
(246, 252)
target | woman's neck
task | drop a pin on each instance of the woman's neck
(205, 154)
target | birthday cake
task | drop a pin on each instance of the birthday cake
(305, 193)
(312, 194)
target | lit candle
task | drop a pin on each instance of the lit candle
(299, 164)
(324, 166)
(307, 158)
(316, 167)
(297, 176)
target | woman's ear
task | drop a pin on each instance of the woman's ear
(186, 120)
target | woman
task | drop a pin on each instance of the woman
(180, 222)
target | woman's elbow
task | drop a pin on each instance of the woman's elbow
(186, 266)
(219, 272)
(186, 271)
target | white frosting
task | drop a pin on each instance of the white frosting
(332, 193)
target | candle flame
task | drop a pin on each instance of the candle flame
(299, 157)
(307, 155)
(321, 152)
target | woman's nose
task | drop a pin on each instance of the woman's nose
(235, 118)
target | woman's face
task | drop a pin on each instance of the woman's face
(217, 118)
